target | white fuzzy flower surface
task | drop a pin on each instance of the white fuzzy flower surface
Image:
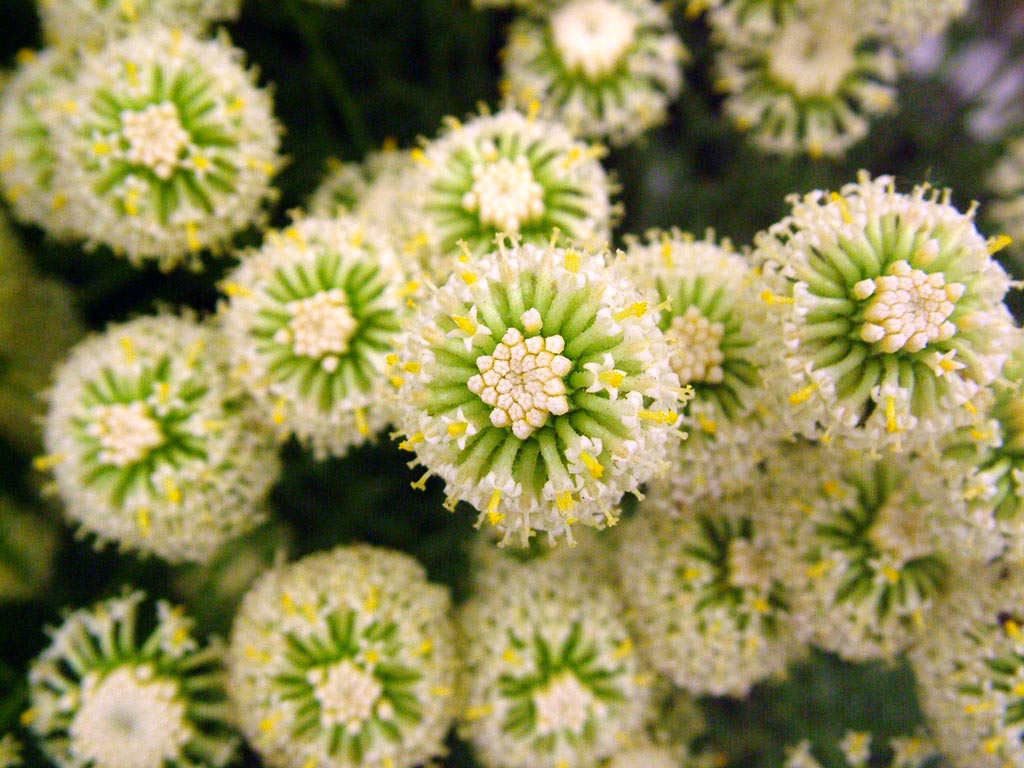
(892, 310)
(167, 147)
(104, 693)
(345, 659)
(608, 69)
(536, 383)
(151, 445)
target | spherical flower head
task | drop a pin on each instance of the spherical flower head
(552, 676)
(893, 313)
(508, 173)
(70, 24)
(150, 444)
(109, 691)
(872, 549)
(970, 677)
(28, 544)
(38, 325)
(537, 384)
(311, 317)
(704, 600)
(345, 658)
(29, 107)
(168, 147)
(809, 86)
(608, 69)
(721, 346)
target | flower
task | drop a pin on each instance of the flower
(857, 749)
(906, 23)
(970, 674)
(745, 18)
(809, 85)
(345, 658)
(28, 544)
(606, 68)
(509, 341)
(508, 173)
(29, 108)
(72, 24)
(151, 446)
(311, 317)
(105, 692)
(892, 311)
(168, 147)
(552, 678)
(704, 600)
(721, 346)
(871, 550)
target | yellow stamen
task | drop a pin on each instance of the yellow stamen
(288, 604)
(468, 277)
(465, 324)
(661, 417)
(595, 467)
(624, 649)
(278, 414)
(768, 297)
(269, 724)
(457, 428)
(128, 347)
(235, 289)
(891, 574)
(171, 491)
(636, 309)
(476, 713)
(511, 657)
(612, 378)
(891, 424)
(493, 515)
(564, 501)
(844, 207)
(28, 717)
(997, 243)
(708, 425)
(424, 648)
(142, 520)
(572, 261)
(408, 443)
(47, 462)
(361, 425)
(372, 600)
(801, 396)
(253, 654)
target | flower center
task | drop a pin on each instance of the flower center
(696, 347)
(593, 36)
(910, 308)
(813, 59)
(523, 381)
(748, 564)
(562, 705)
(321, 325)
(155, 137)
(505, 194)
(128, 719)
(900, 530)
(126, 432)
(347, 694)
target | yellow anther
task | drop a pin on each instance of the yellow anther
(311, 763)
(28, 717)
(372, 599)
(533, 110)
(612, 378)
(412, 367)
(192, 235)
(493, 515)
(201, 162)
(801, 396)
(409, 442)
(309, 611)
(815, 151)
(25, 56)
(253, 654)
(511, 657)
(572, 261)
(425, 648)
(419, 156)
(971, 407)
(371, 656)
(468, 277)
(128, 10)
(947, 365)
(770, 298)
(708, 425)
(391, 359)
(625, 649)
(564, 501)
(1018, 689)
(442, 691)
(180, 636)
(690, 573)
(128, 347)
(171, 491)
(593, 466)
(636, 309)
(761, 605)
(362, 427)
(47, 462)
(142, 520)
(269, 724)
(457, 428)
(60, 201)
(992, 745)
(397, 381)
(661, 417)
(819, 569)
(980, 435)
(288, 604)
(844, 207)
(280, 408)
(465, 324)
(235, 289)
(997, 243)
(891, 574)
(832, 488)
(131, 70)
(421, 484)
(1012, 628)
(572, 156)
(477, 713)
(977, 707)
(891, 424)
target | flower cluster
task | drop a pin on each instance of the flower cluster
(344, 659)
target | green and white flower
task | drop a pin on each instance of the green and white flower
(90, 23)
(810, 85)
(893, 313)
(343, 659)
(872, 548)
(734, 19)
(970, 671)
(608, 69)
(168, 147)
(905, 23)
(29, 107)
(537, 384)
(721, 346)
(706, 604)
(109, 692)
(353, 187)
(860, 750)
(311, 318)
(552, 677)
(508, 173)
(150, 444)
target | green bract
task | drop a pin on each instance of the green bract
(112, 689)
(344, 659)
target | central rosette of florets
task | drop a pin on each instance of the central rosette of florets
(523, 380)
(593, 36)
(155, 137)
(321, 325)
(505, 194)
(126, 432)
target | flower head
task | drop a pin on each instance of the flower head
(343, 659)
(721, 346)
(706, 604)
(537, 385)
(151, 446)
(606, 68)
(509, 173)
(106, 694)
(168, 148)
(892, 310)
(552, 678)
(311, 317)
(29, 108)
(809, 85)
